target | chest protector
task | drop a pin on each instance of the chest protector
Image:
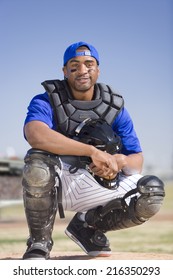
(69, 113)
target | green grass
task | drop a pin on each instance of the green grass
(145, 238)
(168, 201)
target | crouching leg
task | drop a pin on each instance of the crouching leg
(118, 215)
(40, 202)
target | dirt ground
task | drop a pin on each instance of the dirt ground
(115, 256)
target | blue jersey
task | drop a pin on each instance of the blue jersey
(40, 109)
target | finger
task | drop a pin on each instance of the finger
(105, 172)
(97, 171)
(92, 165)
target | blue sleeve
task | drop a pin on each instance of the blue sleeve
(123, 126)
(40, 109)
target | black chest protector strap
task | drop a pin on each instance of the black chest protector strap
(69, 113)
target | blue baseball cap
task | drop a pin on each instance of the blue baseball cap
(71, 51)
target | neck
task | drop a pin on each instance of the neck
(83, 95)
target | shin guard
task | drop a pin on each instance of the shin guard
(40, 198)
(118, 215)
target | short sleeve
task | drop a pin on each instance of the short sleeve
(40, 109)
(123, 126)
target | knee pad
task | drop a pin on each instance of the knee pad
(38, 183)
(38, 174)
(41, 180)
(151, 190)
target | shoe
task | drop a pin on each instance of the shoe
(93, 242)
(37, 251)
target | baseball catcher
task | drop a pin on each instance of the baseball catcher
(85, 157)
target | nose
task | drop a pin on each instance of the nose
(82, 68)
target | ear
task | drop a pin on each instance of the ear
(64, 69)
(98, 71)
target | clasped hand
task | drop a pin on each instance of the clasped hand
(104, 165)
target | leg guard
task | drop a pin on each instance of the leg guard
(40, 198)
(118, 215)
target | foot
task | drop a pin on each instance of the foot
(37, 251)
(93, 242)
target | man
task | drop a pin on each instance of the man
(76, 164)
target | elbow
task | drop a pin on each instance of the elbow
(33, 136)
(35, 142)
(134, 164)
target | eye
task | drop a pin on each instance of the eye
(89, 64)
(74, 65)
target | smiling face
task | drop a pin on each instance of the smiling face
(82, 73)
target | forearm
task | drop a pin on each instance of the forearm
(41, 137)
(131, 164)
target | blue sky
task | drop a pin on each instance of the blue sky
(134, 41)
